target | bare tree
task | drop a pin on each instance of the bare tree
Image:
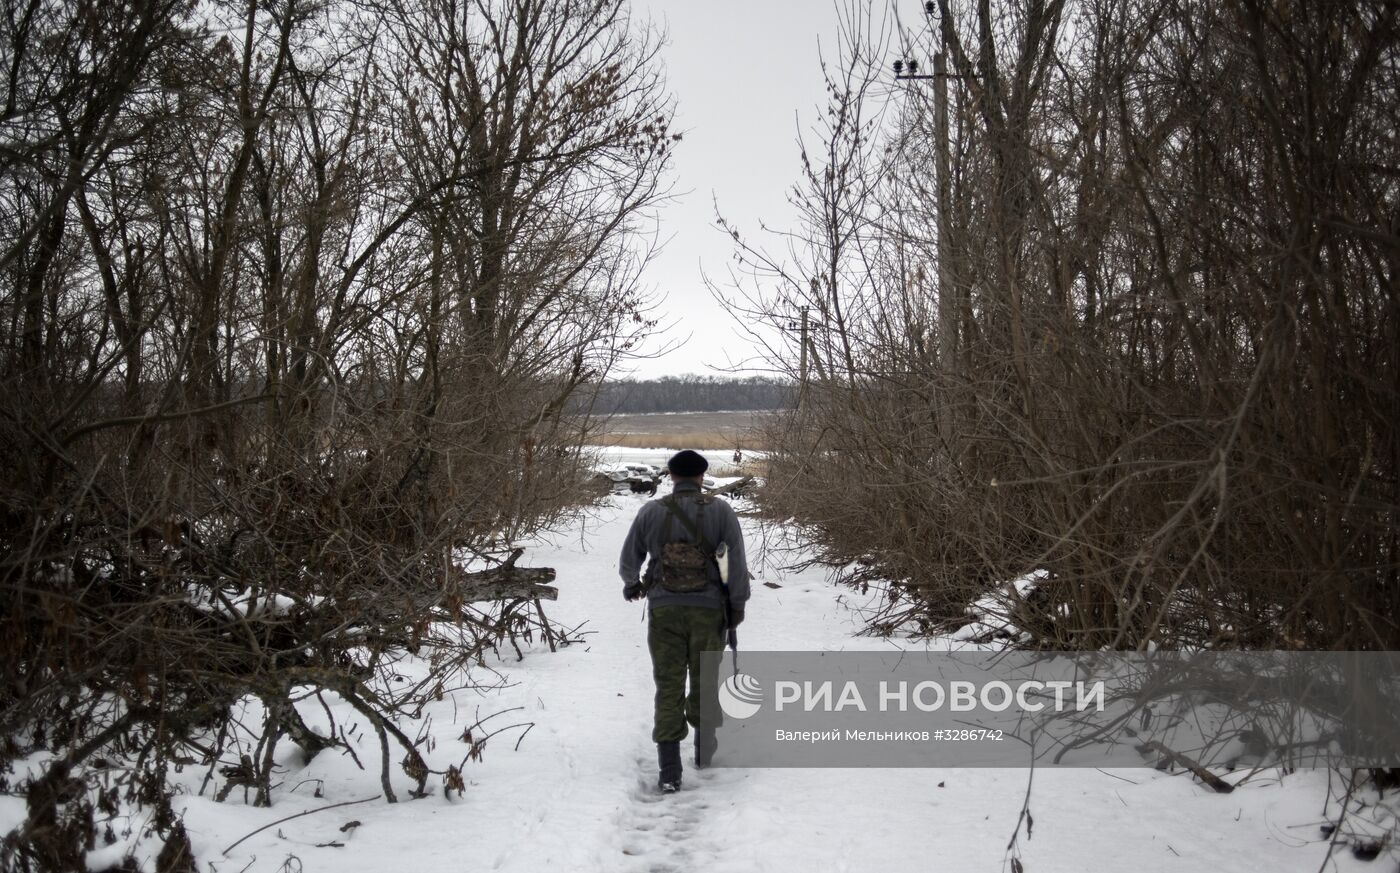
(297, 296)
(1168, 235)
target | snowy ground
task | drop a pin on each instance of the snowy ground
(578, 795)
(721, 463)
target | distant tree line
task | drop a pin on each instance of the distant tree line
(693, 394)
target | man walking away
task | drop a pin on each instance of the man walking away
(687, 602)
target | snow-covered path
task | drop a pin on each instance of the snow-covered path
(578, 794)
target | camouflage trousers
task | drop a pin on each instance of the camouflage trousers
(676, 635)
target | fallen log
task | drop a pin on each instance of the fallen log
(735, 487)
(1169, 757)
(508, 582)
(504, 583)
(524, 584)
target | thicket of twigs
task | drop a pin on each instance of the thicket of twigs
(1138, 325)
(294, 295)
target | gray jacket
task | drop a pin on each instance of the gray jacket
(721, 525)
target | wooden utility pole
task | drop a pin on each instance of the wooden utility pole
(947, 297)
(949, 294)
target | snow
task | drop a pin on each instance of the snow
(991, 616)
(577, 795)
(721, 462)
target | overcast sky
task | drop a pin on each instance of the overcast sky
(745, 74)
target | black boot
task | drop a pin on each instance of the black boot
(668, 757)
(705, 745)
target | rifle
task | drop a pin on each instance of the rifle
(731, 635)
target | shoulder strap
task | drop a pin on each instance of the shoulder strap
(675, 512)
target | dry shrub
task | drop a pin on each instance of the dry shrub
(1148, 343)
(289, 331)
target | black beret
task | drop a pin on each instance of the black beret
(687, 463)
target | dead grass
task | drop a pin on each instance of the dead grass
(698, 440)
(706, 431)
